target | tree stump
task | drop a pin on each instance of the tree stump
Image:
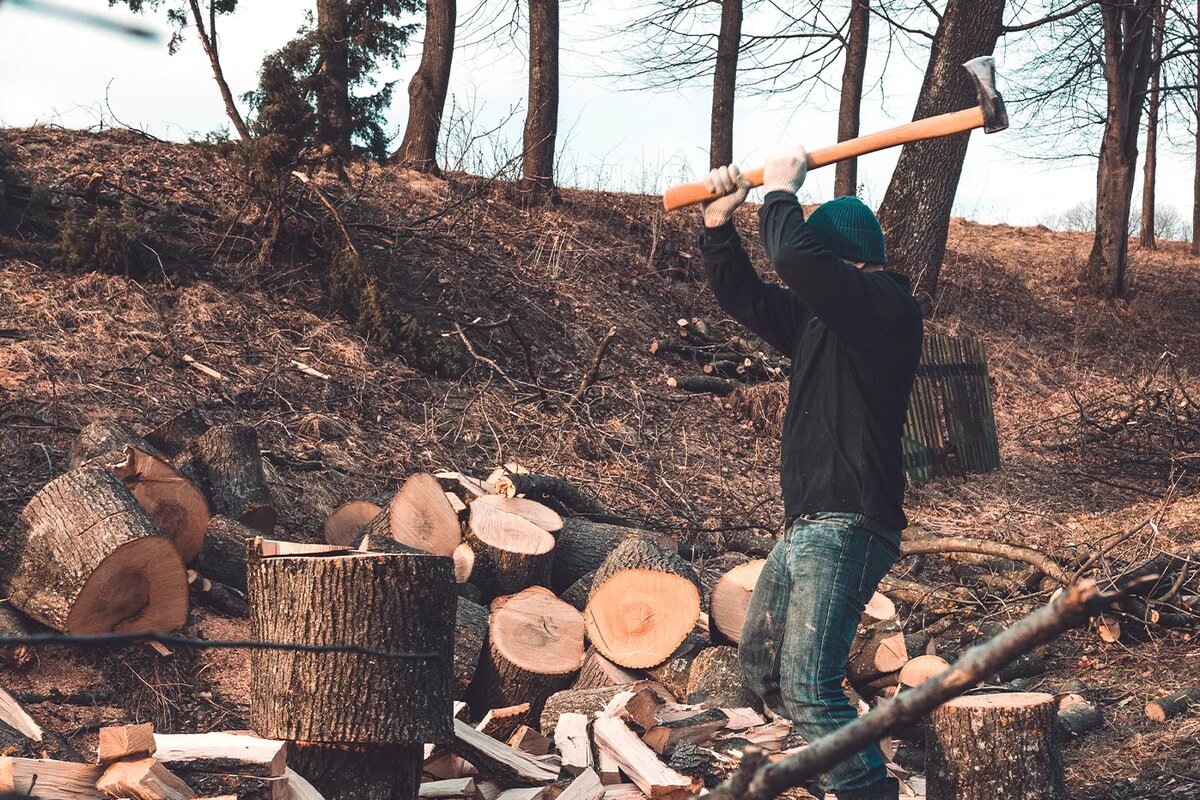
(420, 516)
(223, 557)
(364, 716)
(644, 602)
(993, 746)
(470, 634)
(535, 648)
(226, 463)
(343, 525)
(85, 557)
(730, 598)
(511, 553)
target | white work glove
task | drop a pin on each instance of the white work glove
(733, 188)
(785, 171)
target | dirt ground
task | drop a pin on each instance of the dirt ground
(73, 346)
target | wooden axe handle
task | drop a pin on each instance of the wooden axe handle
(930, 128)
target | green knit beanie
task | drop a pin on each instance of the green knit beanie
(848, 228)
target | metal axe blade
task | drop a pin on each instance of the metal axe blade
(983, 72)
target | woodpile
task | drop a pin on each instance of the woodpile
(724, 364)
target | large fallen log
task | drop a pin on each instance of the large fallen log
(226, 463)
(511, 553)
(982, 747)
(756, 781)
(644, 602)
(84, 557)
(223, 556)
(535, 648)
(420, 516)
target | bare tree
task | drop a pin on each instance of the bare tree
(845, 180)
(428, 87)
(541, 116)
(720, 149)
(1153, 103)
(916, 208)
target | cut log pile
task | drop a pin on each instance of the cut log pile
(724, 364)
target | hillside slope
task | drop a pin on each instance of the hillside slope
(533, 290)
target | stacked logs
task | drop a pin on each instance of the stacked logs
(724, 363)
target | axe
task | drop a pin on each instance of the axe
(989, 115)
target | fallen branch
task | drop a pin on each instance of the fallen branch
(589, 377)
(967, 544)
(1068, 610)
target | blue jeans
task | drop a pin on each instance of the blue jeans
(801, 622)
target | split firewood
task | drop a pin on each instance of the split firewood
(84, 557)
(223, 556)
(701, 763)
(641, 704)
(878, 649)
(535, 648)
(226, 463)
(217, 752)
(297, 787)
(587, 786)
(607, 768)
(271, 548)
(673, 673)
(470, 634)
(644, 602)
(1173, 705)
(368, 542)
(545, 518)
(497, 760)
(458, 505)
(17, 656)
(703, 384)
(464, 563)
(730, 598)
(583, 545)
(511, 553)
(921, 669)
(640, 763)
(466, 487)
(1077, 716)
(530, 741)
(217, 596)
(770, 736)
(695, 729)
(143, 779)
(124, 741)
(982, 747)
(716, 679)
(599, 671)
(52, 779)
(448, 789)
(588, 702)
(444, 765)
(343, 525)
(178, 432)
(573, 743)
(176, 505)
(499, 723)
(526, 793)
(419, 516)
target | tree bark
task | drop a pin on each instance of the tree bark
(1128, 40)
(1195, 249)
(581, 547)
(729, 39)
(845, 179)
(916, 208)
(208, 40)
(225, 462)
(178, 432)
(470, 634)
(716, 680)
(334, 126)
(541, 116)
(223, 557)
(1150, 168)
(360, 772)
(428, 87)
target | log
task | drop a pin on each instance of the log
(53, 779)
(470, 634)
(16, 656)
(217, 752)
(1077, 716)
(343, 525)
(982, 747)
(360, 771)
(177, 507)
(587, 786)
(390, 603)
(573, 743)
(464, 562)
(588, 702)
(879, 648)
(511, 553)
(583, 545)
(716, 680)
(499, 723)
(730, 598)
(640, 763)
(545, 518)
(143, 779)
(644, 602)
(174, 435)
(701, 763)
(695, 729)
(576, 595)
(535, 648)
(529, 484)
(420, 516)
(530, 741)
(673, 673)
(226, 463)
(223, 556)
(921, 669)
(84, 557)
(123, 741)
(497, 760)
(1173, 705)
(598, 671)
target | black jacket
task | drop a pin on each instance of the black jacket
(854, 338)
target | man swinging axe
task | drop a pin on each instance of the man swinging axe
(853, 331)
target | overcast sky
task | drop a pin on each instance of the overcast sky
(56, 72)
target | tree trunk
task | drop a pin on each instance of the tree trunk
(1196, 168)
(208, 40)
(845, 179)
(226, 463)
(1150, 168)
(541, 116)
(720, 151)
(334, 126)
(419, 516)
(427, 89)
(84, 557)
(1128, 40)
(470, 634)
(916, 209)
(987, 746)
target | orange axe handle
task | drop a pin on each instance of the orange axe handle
(930, 128)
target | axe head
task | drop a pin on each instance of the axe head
(983, 72)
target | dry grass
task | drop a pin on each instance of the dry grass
(100, 345)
